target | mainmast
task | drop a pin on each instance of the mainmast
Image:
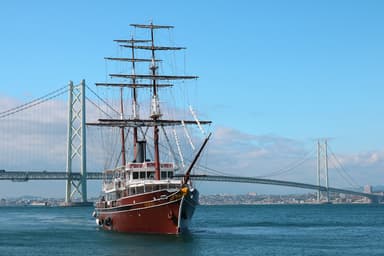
(155, 111)
(155, 106)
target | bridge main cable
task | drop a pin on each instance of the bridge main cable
(34, 102)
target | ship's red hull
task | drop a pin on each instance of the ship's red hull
(161, 212)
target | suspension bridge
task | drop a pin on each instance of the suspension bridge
(76, 182)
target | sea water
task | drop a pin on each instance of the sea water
(215, 230)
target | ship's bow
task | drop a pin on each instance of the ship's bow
(187, 208)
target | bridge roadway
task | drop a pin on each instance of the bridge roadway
(20, 176)
(201, 177)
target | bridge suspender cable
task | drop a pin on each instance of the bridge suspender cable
(343, 173)
(49, 96)
(102, 100)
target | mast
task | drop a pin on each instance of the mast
(134, 103)
(122, 130)
(155, 112)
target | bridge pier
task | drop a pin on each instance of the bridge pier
(322, 164)
(76, 143)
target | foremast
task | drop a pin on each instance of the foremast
(155, 112)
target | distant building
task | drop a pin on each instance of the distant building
(3, 202)
(368, 189)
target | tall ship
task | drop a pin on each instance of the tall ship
(149, 191)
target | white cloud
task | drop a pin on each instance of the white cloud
(36, 140)
(237, 152)
(276, 157)
(363, 167)
(363, 159)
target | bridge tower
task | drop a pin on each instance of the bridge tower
(76, 143)
(322, 169)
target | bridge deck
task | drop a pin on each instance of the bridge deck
(49, 175)
(281, 183)
(45, 175)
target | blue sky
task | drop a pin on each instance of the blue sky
(297, 70)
